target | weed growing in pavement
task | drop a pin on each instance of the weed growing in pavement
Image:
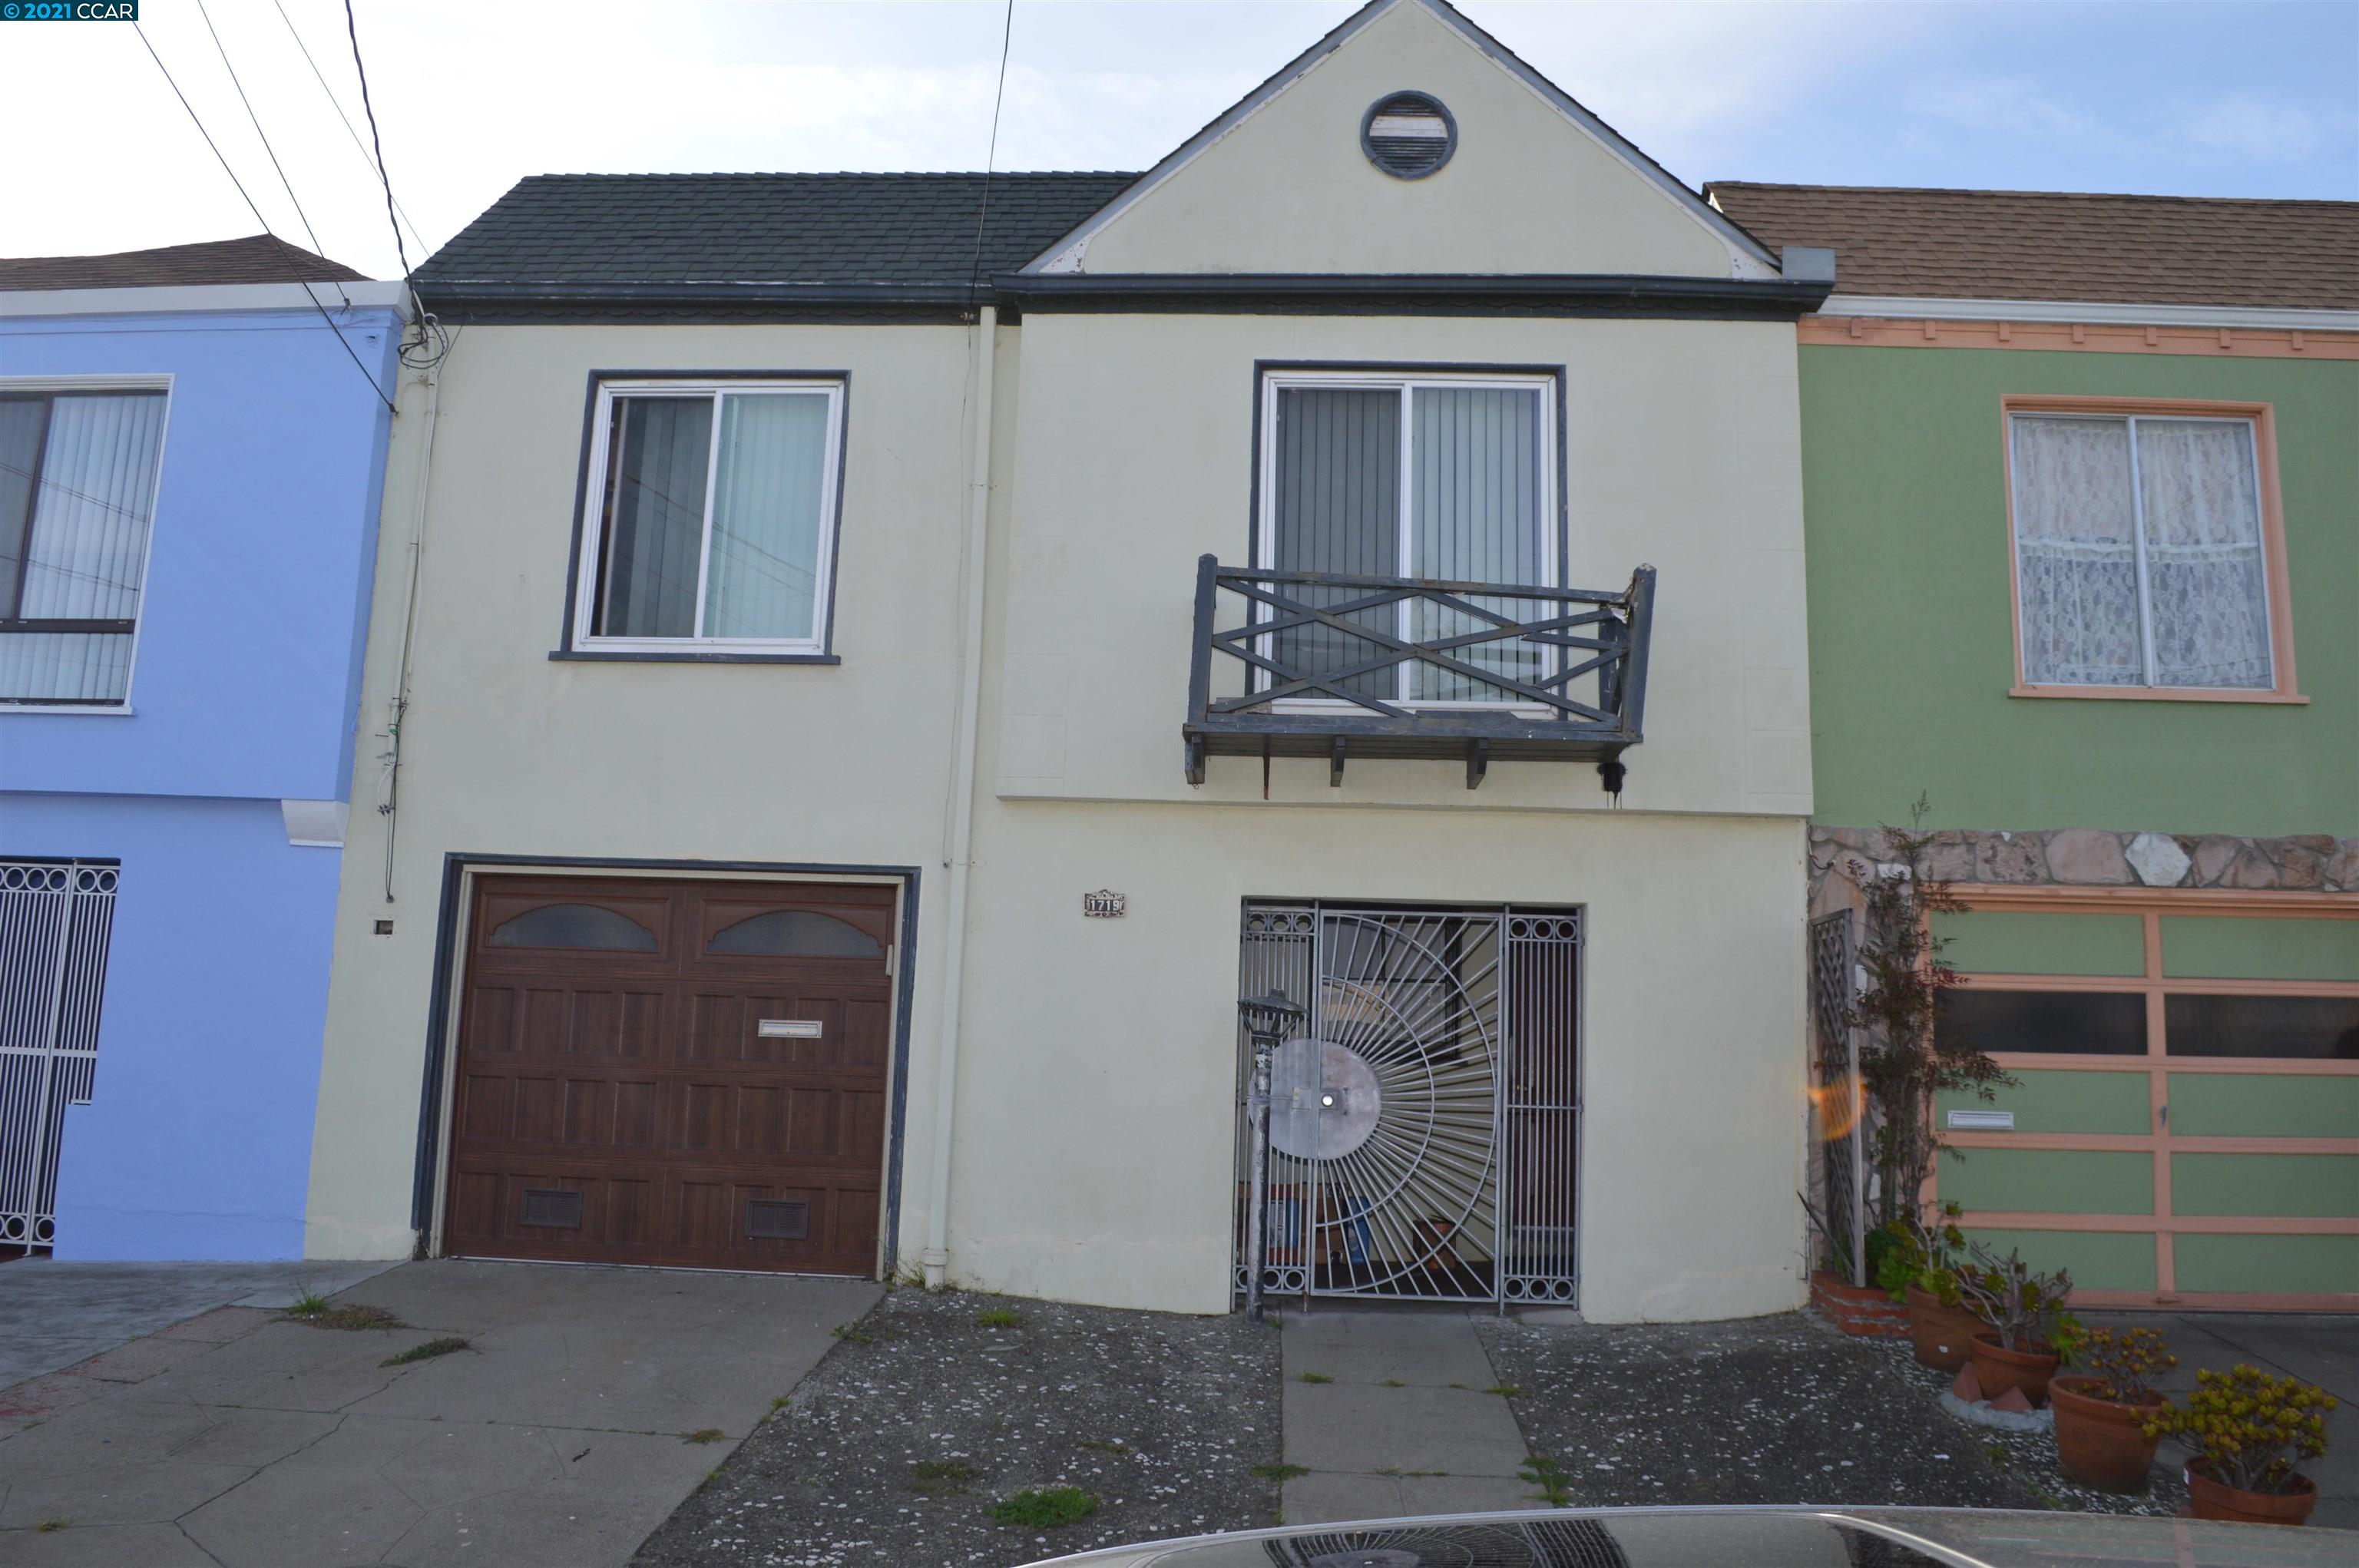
(997, 1317)
(1317, 1377)
(1280, 1471)
(941, 1478)
(1396, 1470)
(703, 1434)
(853, 1333)
(426, 1352)
(1394, 1383)
(50, 1526)
(780, 1403)
(1105, 1445)
(1504, 1391)
(322, 1316)
(309, 1304)
(1550, 1478)
(1045, 1508)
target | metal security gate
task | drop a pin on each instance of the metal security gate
(55, 917)
(1424, 1125)
(1836, 1097)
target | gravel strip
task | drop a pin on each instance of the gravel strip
(895, 1446)
(1778, 1409)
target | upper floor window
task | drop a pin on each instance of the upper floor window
(709, 517)
(78, 474)
(2144, 552)
(1410, 475)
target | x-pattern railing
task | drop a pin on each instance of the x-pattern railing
(1355, 627)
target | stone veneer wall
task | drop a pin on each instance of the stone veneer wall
(1842, 858)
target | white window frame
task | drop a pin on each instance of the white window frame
(2147, 680)
(66, 385)
(594, 519)
(1406, 381)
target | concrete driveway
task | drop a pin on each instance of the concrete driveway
(587, 1403)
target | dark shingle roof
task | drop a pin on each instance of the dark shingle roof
(2054, 245)
(844, 230)
(257, 258)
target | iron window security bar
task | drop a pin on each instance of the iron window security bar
(632, 576)
(1585, 634)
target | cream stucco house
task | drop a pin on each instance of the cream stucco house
(862, 686)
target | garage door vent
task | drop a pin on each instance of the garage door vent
(774, 1219)
(552, 1207)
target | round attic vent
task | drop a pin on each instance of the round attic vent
(1408, 135)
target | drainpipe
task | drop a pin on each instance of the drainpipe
(958, 828)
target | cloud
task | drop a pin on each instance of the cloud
(2251, 126)
(2014, 105)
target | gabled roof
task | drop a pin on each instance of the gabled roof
(257, 258)
(1743, 248)
(2062, 247)
(898, 236)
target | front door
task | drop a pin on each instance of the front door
(682, 1073)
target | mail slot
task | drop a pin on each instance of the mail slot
(788, 1029)
(1982, 1121)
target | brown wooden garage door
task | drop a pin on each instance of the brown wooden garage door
(692, 1073)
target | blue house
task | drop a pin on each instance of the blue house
(192, 445)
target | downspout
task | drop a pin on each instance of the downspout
(957, 828)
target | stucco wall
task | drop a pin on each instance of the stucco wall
(1096, 1120)
(1912, 637)
(1135, 455)
(505, 751)
(248, 658)
(195, 1143)
(1287, 189)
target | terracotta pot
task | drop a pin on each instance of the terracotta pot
(2098, 1440)
(1999, 1369)
(2216, 1500)
(1944, 1336)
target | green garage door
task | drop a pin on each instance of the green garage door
(2184, 1129)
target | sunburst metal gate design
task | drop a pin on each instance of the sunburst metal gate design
(1424, 1125)
(55, 918)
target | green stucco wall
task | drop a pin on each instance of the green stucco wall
(1911, 626)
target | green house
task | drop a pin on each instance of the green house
(2081, 494)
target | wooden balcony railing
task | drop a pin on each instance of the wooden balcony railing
(1321, 665)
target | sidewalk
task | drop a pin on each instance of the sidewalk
(556, 1416)
(1392, 1413)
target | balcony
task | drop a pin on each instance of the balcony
(1314, 664)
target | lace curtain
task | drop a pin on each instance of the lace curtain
(2079, 483)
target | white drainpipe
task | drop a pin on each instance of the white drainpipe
(958, 827)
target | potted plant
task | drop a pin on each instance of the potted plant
(1921, 1271)
(2248, 1429)
(2105, 1415)
(2021, 1313)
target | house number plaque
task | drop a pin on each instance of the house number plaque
(1105, 904)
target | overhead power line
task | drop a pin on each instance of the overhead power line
(353, 31)
(990, 156)
(337, 104)
(198, 121)
(264, 136)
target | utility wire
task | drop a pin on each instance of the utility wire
(352, 30)
(991, 154)
(199, 120)
(264, 136)
(337, 103)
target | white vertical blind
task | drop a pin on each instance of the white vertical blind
(1475, 514)
(86, 548)
(769, 515)
(2204, 571)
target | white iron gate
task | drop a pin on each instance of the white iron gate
(55, 917)
(1424, 1124)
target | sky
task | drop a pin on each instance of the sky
(2248, 98)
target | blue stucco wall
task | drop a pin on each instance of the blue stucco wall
(247, 678)
(197, 1141)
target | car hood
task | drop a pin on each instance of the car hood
(1755, 1537)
